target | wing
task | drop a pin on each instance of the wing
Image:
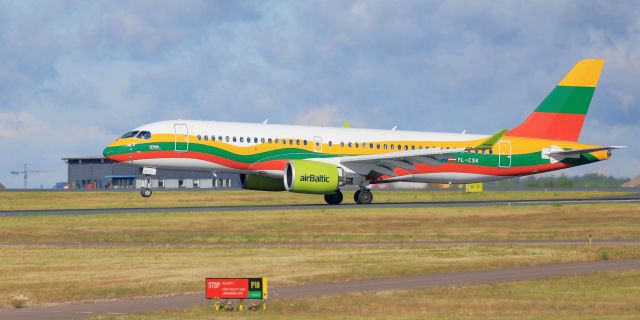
(383, 164)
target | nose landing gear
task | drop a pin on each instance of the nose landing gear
(145, 192)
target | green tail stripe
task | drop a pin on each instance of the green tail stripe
(574, 100)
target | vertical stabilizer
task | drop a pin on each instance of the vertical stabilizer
(561, 114)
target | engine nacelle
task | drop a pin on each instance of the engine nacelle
(263, 183)
(304, 176)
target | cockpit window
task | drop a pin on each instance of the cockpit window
(130, 134)
(145, 135)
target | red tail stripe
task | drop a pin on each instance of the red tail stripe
(548, 125)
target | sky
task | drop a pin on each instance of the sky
(74, 75)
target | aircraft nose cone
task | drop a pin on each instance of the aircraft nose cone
(107, 152)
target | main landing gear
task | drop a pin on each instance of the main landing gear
(334, 198)
(363, 196)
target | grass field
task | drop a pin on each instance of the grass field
(64, 258)
(78, 200)
(597, 296)
(150, 254)
(602, 221)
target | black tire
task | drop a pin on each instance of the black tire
(145, 192)
(364, 197)
(334, 198)
(356, 195)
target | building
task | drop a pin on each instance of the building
(101, 173)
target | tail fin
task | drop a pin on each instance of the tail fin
(561, 114)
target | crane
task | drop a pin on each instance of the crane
(25, 173)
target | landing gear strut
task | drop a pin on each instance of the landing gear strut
(145, 192)
(334, 198)
(363, 196)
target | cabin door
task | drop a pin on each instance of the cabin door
(181, 137)
(504, 154)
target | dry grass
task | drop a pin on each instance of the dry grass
(76, 200)
(62, 274)
(599, 296)
(620, 221)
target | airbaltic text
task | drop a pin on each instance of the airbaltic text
(314, 178)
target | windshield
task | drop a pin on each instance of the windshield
(130, 134)
(144, 135)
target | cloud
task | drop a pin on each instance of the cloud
(326, 115)
(76, 74)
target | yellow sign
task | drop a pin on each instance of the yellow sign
(473, 187)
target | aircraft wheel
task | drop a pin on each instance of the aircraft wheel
(334, 198)
(363, 196)
(145, 192)
(356, 196)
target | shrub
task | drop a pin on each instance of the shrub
(20, 301)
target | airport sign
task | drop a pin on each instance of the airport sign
(236, 288)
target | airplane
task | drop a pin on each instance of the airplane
(321, 160)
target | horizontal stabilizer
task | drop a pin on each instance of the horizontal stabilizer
(577, 152)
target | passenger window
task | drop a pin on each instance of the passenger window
(330, 143)
(291, 141)
(277, 140)
(305, 142)
(298, 142)
(393, 147)
(226, 138)
(371, 146)
(377, 146)
(220, 138)
(356, 144)
(206, 138)
(255, 140)
(269, 140)
(490, 151)
(241, 139)
(406, 147)
(284, 141)
(349, 144)
(385, 146)
(413, 147)
(235, 139)
(342, 144)
(248, 139)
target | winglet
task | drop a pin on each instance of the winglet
(488, 144)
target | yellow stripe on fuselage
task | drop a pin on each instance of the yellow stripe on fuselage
(519, 145)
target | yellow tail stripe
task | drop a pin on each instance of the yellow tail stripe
(584, 74)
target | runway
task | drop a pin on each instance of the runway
(577, 242)
(635, 198)
(127, 306)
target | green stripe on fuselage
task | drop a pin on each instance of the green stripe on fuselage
(485, 160)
